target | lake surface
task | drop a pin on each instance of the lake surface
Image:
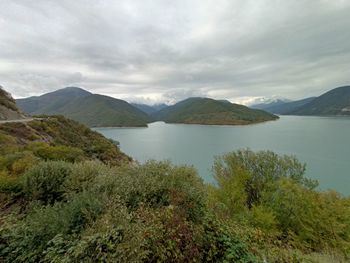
(322, 143)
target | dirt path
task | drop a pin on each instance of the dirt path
(20, 120)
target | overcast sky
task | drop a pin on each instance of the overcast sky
(155, 51)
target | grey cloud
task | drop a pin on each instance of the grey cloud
(169, 50)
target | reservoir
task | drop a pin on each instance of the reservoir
(323, 143)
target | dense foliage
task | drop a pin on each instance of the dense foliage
(90, 109)
(88, 212)
(268, 194)
(67, 194)
(210, 111)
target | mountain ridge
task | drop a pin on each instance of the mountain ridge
(208, 111)
(335, 102)
(93, 110)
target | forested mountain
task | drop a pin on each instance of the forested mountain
(90, 109)
(333, 102)
(210, 111)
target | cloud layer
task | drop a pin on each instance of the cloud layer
(167, 50)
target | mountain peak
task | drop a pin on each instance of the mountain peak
(75, 90)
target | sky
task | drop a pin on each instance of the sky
(164, 51)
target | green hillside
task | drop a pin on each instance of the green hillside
(90, 109)
(57, 138)
(332, 103)
(211, 112)
(8, 108)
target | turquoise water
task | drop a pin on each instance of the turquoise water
(322, 143)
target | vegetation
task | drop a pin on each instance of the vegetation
(90, 109)
(54, 138)
(8, 108)
(262, 208)
(209, 111)
(67, 194)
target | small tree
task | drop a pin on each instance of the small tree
(262, 169)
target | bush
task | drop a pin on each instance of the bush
(56, 153)
(27, 241)
(156, 184)
(269, 192)
(44, 182)
(83, 176)
(261, 169)
(17, 163)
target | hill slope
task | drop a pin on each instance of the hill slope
(8, 108)
(331, 103)
(58, 138)
(90, 109)
(211, 112)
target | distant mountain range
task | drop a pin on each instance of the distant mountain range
(269, 104)
(335, 102)
(149, 109)
(90, 109)
(210, 111)
(282, 107)
(101, 111)
(8, 108)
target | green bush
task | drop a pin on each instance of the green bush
(56, 153)
(262, 169)
(84, 175)
(18, 162)
(156, 184)
(27, 241)
(269, 192)
(44, 182)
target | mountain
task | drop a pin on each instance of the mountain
(160, 106)
(90, 109)
(286, 107)
(211, 112)
(282, 106)
(332, 103)
(269, 104)
(8, 108)
(149, 109)
(144, 107)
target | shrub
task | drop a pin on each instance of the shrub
(27, 241)
(17, 163)
(269, 192)
(83, 175)
(262, 169)
(56, 153)
(44, 182)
